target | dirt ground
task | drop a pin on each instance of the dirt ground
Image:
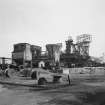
(82, 91)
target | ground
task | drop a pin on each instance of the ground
(88, 90)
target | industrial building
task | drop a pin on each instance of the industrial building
(76, 54)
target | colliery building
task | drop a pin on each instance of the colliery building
(76, 54)
(25, 52)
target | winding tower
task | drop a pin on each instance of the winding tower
(83, 43)
(69, 45)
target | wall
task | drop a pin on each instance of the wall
(87, 70)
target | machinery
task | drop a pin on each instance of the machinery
(45, 76)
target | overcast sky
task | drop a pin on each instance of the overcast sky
(41, 22)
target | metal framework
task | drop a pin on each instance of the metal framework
(83, 43)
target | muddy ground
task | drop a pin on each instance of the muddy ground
(89, 90)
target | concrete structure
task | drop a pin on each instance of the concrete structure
(41, 64)
(54, 51)
(22, 52)
(25, 52)
(36, 51)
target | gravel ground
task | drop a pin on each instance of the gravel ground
(83, 91)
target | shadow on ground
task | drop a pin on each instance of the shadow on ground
(95, 98)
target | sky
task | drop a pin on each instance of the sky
(42, 22)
